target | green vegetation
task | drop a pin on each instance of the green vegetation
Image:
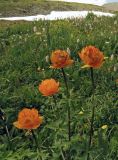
(23, 50)
(32, 7)
(111, 6)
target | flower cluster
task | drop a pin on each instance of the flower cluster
(91, 57)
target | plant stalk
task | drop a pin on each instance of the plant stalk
(91, 130)
(6, 128)
(54, 98)
(48, 33)
(92, 116)
(8, 135)
(92, 78)
(68, 95)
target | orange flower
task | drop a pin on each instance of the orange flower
(49, 87)
(28, 119)
(92, 57)
(60, 59)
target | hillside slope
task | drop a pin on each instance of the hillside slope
(32, 7)
(111, 6)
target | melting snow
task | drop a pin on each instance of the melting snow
(54, 15)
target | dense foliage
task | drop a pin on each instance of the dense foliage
(24, 51)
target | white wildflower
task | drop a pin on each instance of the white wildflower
(35, 29)
(112, 57)
(68, 50)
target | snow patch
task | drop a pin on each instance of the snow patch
(54, 15)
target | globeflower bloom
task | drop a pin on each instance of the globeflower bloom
(49, 87)
(92, 57)
(60, 59)
(28, 119)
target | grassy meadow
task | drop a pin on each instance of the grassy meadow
(25, 49)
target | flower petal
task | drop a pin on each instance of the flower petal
(17, 125)
(86, 66)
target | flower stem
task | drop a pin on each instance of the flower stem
(54, 98)
(2, 116)
(65, 80)
(91, 130)
(92, 78)
(36, 142)
(8, 136)
(92, 116)
(48, 33)
(68, 95)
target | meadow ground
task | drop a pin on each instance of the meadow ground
(24, 47)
